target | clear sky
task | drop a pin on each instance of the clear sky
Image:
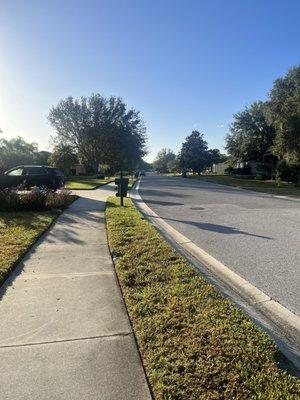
(184, 64)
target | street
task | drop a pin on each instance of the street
(255, 235)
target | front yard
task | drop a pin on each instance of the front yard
(286, 189)
(85, 182)
(195, 344)
(18, 231)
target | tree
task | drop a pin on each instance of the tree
(15, 152)
(100, 130)
(214, 156)
(42, 157)
(193, 155)
(63, 158)
(251, 135)
(283, 110)
(163, 160)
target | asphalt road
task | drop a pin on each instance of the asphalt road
(255, 235)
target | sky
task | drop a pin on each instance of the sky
(184, 65)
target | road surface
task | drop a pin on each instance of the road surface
(255, 235)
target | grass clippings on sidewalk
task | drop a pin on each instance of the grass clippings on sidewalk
(18, 231)
(285, 189)
(195, 344)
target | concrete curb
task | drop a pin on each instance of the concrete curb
(279, 319)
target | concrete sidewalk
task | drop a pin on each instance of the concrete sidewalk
(64, 330)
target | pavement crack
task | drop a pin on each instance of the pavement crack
(120, 334)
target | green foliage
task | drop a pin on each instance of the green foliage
(195, 344)
(17, 151)
(289, 172)
(100, 131)
(251, 135)
(194, 155)
(165, 160)
(63, 157)
(283, 109)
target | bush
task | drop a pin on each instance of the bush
(34, 200)
(288, 172)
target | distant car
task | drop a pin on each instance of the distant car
(28, 176)
(142, 173)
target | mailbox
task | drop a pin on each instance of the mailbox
(122, 186)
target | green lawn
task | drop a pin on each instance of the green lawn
(194, 343)
(85, 182)
(286, 189)
(18, 231)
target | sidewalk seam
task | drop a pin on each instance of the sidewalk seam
(121, 334)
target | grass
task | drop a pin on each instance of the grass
(286, 189)
(85, 182)
(18, 231)
(195, 344)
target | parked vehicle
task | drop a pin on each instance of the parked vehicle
(27, 176)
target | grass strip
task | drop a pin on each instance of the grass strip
(86, 183)
(286, 189)
(195, 344)
(19, 231)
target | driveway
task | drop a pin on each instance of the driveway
(255, 235)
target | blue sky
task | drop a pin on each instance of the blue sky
(184, 64)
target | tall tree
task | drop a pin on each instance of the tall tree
(214, 156)
(193, 155)
(283, 110)
(63, 158)
(100, 130)
(163, 160)
(251, 135)
(17, 151)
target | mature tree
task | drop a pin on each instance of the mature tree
(63, 158)
(16, 151)
(174, 165)
(283, 110)
(251, 135)
(100, 130)
(42, 157)
(163, 160)
(193, 155)
(214, 156)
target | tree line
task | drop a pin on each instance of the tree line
(98, 132)
(194, 156)
(268, 132)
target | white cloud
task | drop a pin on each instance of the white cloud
(221, 126)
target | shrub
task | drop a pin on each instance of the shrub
(9, 199)
(34, 200)
(288, 172)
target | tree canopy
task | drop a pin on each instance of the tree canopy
(283, 111)
(17, 151)
(100, 130)
(163, 160)
(193, 154)
(251, 135)
(63, 157)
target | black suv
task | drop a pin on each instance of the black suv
(27, 176)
